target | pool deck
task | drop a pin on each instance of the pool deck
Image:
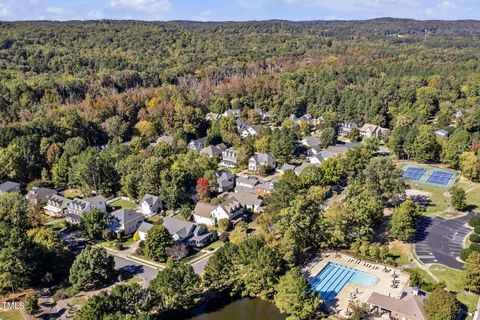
(383, 284)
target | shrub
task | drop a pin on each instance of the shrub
(475, 238)
(465, 253)
(474, 222)
(475, 247)
(477, 230)
(136, 236)
(118, 246)
(224, 237)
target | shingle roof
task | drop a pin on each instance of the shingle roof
(145, 227)
(150, 199)
(409, 305)
(124, 216)
(203, 209)
(8, 185)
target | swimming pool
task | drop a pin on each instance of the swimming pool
(333, 277)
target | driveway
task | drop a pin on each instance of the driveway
(147, 273)
(440, 240)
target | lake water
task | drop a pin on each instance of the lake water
(244, 309)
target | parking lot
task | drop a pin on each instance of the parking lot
(440, 240)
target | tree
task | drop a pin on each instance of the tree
(441, 305)
(470, 165)
(404, 220)
(459, 198)
(425, 146)
(92, 268)
(283, 144)
(220, 271)
(31, 304)
(295, 297)
(384, 180)
(174, 288)
(92, 223)
(239, 233)
(328, 137)
(472, 272)
(359, 310)
(202, 188)
(157, 243)
(454, 147)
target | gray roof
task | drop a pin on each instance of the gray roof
(41, 191)
(178, 227)
(310, 141)
(225, 177)
(263, 158)
(58, 201)
(8, 186)
(124, 216)
(203, 209)
(214, 150)
(145, 227)
(286, 167)
(151, 200)
(298, 170)
(78, 204)
(246, 199)
(442, 132)
(247, 181)
(409, 305)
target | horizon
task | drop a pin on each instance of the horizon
(237, 10)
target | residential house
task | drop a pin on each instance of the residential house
(261, 160)
(309, 142)
(202, 213)
(232, 112)
(313, 151)
(240, 125)
(77, 207)
(265, 188)
(371, 130)
(286, 167)
(212, 116)
(409, 306)
(262, 113)
(346, 127)
(9, 186)
(229, 158)
(225, 180)
(197, 145)
(250, 131)
(143, 230)
(332, 151)
(125, 220)
(150, 205)
(165, 139)
(322, 156)
(442, 134)
(186, 232)
(246, 184)
(230, 209)
(249, 201)
(39, 195)
(213, 151)
(56, 205)
(306, 118)
(299, 169)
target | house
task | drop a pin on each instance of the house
(299, 169)
(9, 186)
(197, 145)
(286, 167)
(56, 205)
(250, 131)
(332, 151)
(77, 207)
(265, 188)
(213, 151)
(306, 118)
(165, 139)
(240, 125)
(410, 305)
(309, 142)
(442, 134)
(230, 209)
(313, 151)
(225, 180)
(202, 213)
(150, 205)
(247, 200)
(143, 230)
(371, 130)
(246, 184)
(39, 195)
(212, 116)
(262, 113)
(125, 220)
(322, 156)
(346, 128)
(186, 232)
(229, 158)
(261, 160)
(232, 112)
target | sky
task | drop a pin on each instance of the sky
(237, 10)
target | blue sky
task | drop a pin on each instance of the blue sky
(237, 10)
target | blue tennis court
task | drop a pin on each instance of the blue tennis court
(414, 173)
(333, 277)
(440, 177)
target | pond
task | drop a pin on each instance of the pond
(244, 309)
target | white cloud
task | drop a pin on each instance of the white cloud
(148, 6)
(333, 17)
(55, 11)
(442, 8)
(4, 10)
(95, 15)
(204, 16)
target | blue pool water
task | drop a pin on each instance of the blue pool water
(333, 277)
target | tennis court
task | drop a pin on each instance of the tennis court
(414, 173)
(429, 175)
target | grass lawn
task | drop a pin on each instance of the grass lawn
(214, 245)
(58, 225)
(423, 273)
(400, 252)
(73, 193)
(132, 280)
(454, 278)
(473, 198)
(127, 242)
(122, 204)
(10, 315)
(79, 301)
(438, 201)
(155, 218)
(192, 257)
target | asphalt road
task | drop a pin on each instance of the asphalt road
(440, 240)
(145, 272)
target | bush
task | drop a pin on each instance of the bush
(477, 230)
(136, 236)
(224, 237)
(474, 222)
(475, 238)
(465, 253)
(475, 247)
(118, 246)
